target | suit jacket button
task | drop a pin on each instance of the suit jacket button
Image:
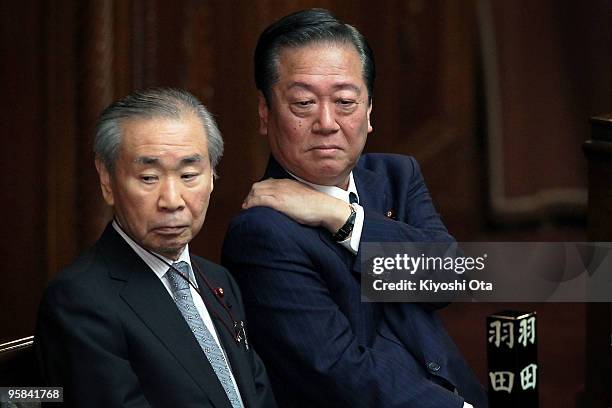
(433, 366)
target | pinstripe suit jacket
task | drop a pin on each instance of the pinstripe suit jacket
(324, 347)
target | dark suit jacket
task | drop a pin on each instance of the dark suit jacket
(111, 335)
(321, 344)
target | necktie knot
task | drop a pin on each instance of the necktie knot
(177, 282)
(353, 198)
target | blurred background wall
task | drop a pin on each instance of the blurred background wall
(492, 97)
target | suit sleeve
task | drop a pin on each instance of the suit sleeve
(79, 346)
(302, 334)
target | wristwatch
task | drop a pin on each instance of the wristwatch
(345, 230)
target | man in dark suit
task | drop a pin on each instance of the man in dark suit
(137, 320)
(295, 249)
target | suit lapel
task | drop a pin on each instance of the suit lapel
(148, 298)
(373, 190)
(374, 196)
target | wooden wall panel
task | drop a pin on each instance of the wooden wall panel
(538, 60)
(231, 97)
(22, 166)
(95, 90)
(598, 151)
(60, 134)
(64, 61)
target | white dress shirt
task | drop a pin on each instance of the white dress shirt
(352, 241)
(160, 268)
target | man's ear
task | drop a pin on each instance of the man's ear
(370, 128)
(105, 182)
(262, 108)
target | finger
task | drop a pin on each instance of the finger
(260, 201)
(273, 189)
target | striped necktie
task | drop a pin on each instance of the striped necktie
(214, 354)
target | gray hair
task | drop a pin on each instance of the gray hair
(148, 104)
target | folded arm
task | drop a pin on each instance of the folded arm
(302, 332)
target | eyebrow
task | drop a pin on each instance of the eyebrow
(152, 160)
(336, 87)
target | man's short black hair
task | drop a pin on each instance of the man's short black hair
(302, 28)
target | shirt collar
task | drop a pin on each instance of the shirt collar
(157, 266)
(333, 191)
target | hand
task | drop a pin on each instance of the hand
(299, 202)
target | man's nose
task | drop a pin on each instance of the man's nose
(170, 195)
(326, 119)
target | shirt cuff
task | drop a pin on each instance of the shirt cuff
(352, 242)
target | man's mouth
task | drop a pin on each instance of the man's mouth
(170, 229)
(326, 148)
